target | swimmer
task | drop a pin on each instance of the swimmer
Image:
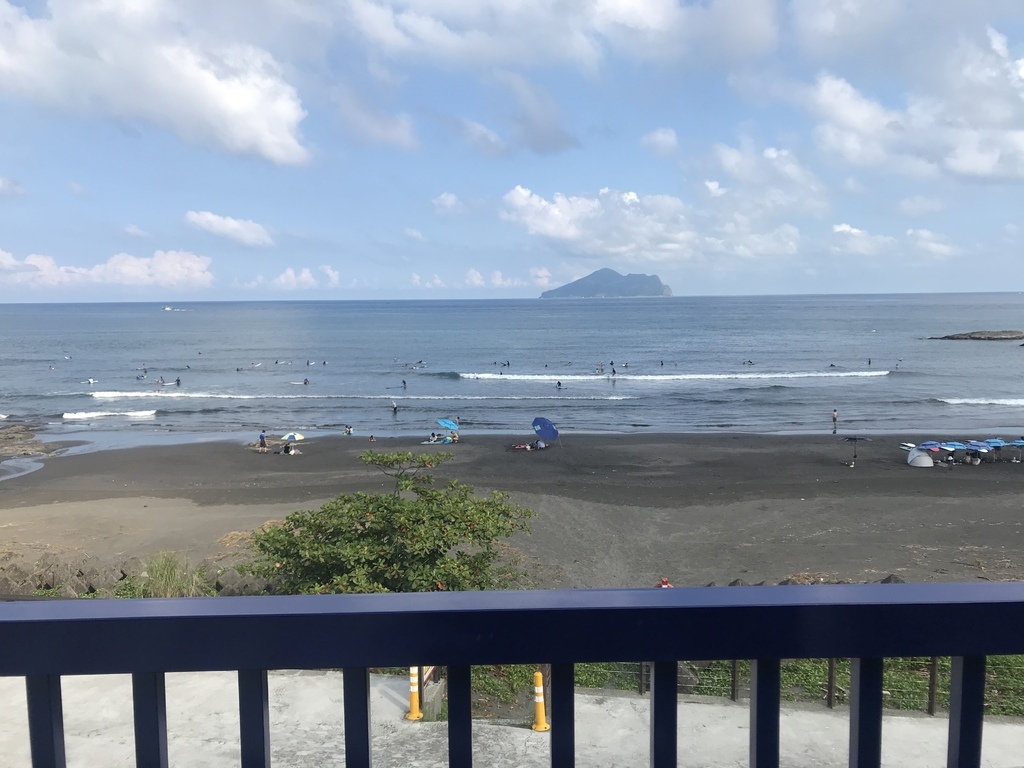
(305, 381)
(558, 385)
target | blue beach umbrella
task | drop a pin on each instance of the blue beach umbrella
(293, 436)
(996, 442)
(448, 424)
(929, 445)
(545, 429)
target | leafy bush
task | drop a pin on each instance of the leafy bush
(419, 538)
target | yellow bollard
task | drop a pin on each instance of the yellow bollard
(540, 722)
(414, 695)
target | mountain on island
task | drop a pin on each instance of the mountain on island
(606, 284)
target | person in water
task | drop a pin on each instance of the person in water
(558, 385)
(305, 381)
(177, 382)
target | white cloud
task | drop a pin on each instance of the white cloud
(150, 62)
(661, 141)
(715, 189)
(134, 231)
(290, 281)
(414, 234)
(538, 118)
(498, 280)
(497, 33)
(370, 124)
(446, 202)
(10, 188)
(333, 276)
(433, 282)
(919, 205)
(242, 231)
(933, 244)
(474, 279)
(483, 138)
(560, 219)
(540, 276)
(170, 269)
(851, 240)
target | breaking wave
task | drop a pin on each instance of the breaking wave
(103, 414)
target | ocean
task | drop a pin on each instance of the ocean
(773, 364)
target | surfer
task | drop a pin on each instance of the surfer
(404, 385)
(394, 407)
(177, 382)
(558, 385)
(613, 371)
(305, 381)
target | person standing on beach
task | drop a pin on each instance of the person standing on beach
(263, 441)
(835, 420)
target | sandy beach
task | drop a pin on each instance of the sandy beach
(611, 510)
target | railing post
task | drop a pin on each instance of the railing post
(966, 711)
(764, 713)
(865, 713)
(356, 685)
(933, 683)
(830, 692)
(254, 718)
(149, 700)
(45, 721)
(460, 717)
(734, 681)
(563, 715)
(664, 713)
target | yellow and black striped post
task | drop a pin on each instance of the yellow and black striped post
(414, 695)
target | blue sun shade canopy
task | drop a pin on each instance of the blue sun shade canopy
(545, 429)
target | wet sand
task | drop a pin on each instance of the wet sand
(611, 510)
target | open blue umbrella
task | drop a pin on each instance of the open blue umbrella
(929, 445)
(545, 429)
(448, 424)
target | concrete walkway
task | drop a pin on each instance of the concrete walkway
(306, 714)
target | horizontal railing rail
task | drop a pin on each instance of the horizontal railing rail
(44, 641)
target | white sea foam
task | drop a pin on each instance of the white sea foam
(79, 415)
(619, 376)
(209, 396)
(1012, 402)
(3, 416)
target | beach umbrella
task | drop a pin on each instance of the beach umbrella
(449, 424)
(929, 445)
(955, 445)
(855, 440)
(545, 429)
(996, 442)
(293, 436)
(980, 447)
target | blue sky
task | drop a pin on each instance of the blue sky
(282, 149)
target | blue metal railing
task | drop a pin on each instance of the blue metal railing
(43, 641)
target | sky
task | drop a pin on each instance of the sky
(187, 150)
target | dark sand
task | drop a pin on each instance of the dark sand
(611, 510)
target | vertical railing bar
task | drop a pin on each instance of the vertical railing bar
(254, 717)
(764, 713)
(933, 683)
(149, 703)
(460, 717)
(734, 681)
(664, 714)
(45, 721)
(563, 715)
(865, 713)
(830, 693)
(356, 687)
(966, 711)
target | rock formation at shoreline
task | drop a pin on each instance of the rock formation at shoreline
(983, 336)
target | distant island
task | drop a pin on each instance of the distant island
(983, 336)
(607, 284)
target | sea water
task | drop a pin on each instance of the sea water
(709, 364)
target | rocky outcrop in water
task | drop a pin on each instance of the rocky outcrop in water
(983, 336)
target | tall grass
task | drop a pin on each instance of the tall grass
(169, 575)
